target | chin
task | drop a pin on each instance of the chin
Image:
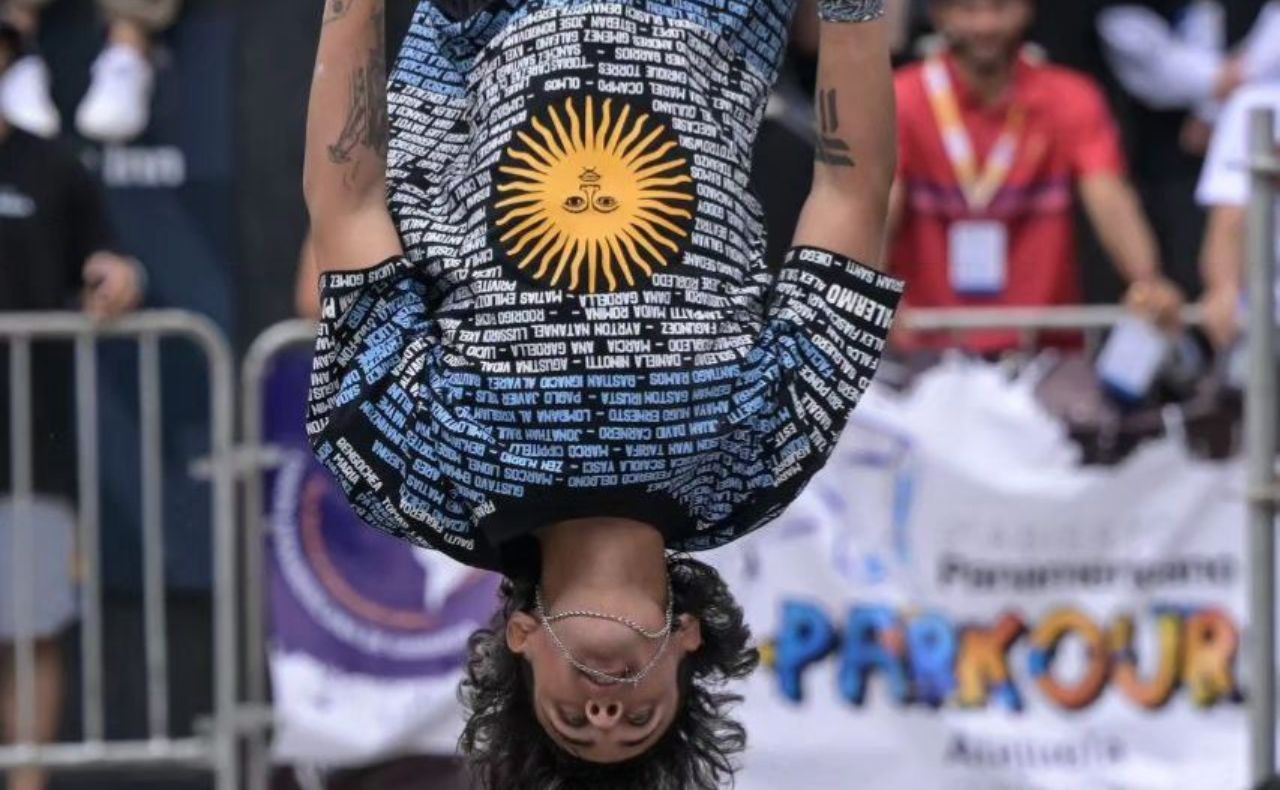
(992, 58)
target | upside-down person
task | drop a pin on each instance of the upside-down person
(551, 344)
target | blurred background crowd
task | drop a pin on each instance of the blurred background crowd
(150, 157)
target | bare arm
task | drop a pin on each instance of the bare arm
(1222, 270)
(344, 178)
(1117, 216)
(1122, 227)
(1222, 262)
(857, 147)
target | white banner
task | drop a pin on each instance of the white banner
(954, 605)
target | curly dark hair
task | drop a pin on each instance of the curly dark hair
(509, 750)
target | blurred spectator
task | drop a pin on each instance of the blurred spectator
(1224, 191)
(1173, 62)
(117, 106)
(1169, 54)
(1261, 60)
(1172, 54)
(1166, 59)
(994, 144)
(55, 251)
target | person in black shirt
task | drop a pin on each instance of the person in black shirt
(56, 253)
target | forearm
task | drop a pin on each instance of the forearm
(857, 147)
(1222, 261)
(1122, 227)
(345, 170)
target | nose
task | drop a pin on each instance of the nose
(604, 715)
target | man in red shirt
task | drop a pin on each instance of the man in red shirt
(995, 145)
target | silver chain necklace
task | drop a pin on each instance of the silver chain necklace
(631, 680)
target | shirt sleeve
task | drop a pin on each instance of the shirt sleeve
(1152, 63)
(1224, 181)
(826, 325)
(1091, 132)
(369, 394)
(1262, 47)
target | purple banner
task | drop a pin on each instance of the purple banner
(351, 597)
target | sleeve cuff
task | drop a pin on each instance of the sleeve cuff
(342, 282)
(339, 288)
(840, 275)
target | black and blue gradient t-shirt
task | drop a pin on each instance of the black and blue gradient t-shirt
(584, 323)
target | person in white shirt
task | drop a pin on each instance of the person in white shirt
(1185, 64)
(1224, 192)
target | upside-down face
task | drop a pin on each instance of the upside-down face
(597, 721)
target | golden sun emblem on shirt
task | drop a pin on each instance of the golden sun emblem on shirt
(592, 197)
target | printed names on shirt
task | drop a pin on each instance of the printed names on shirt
(584, 303)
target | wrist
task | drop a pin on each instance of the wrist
(1223, 290)
(1147, 277)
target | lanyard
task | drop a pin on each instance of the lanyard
(980, 189)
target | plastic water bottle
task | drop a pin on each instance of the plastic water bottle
(1132, 358)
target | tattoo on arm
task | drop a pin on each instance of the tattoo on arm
(337, 9)
(366, 125)
(831, 150)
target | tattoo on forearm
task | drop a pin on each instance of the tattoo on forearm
(831, 150)
(337, 9)
(366, 125)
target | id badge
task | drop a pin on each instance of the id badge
(979, 257)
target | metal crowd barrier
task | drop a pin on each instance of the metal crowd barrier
(214, 748)
(254, 372)
(1260, 430)
(1093, 321)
